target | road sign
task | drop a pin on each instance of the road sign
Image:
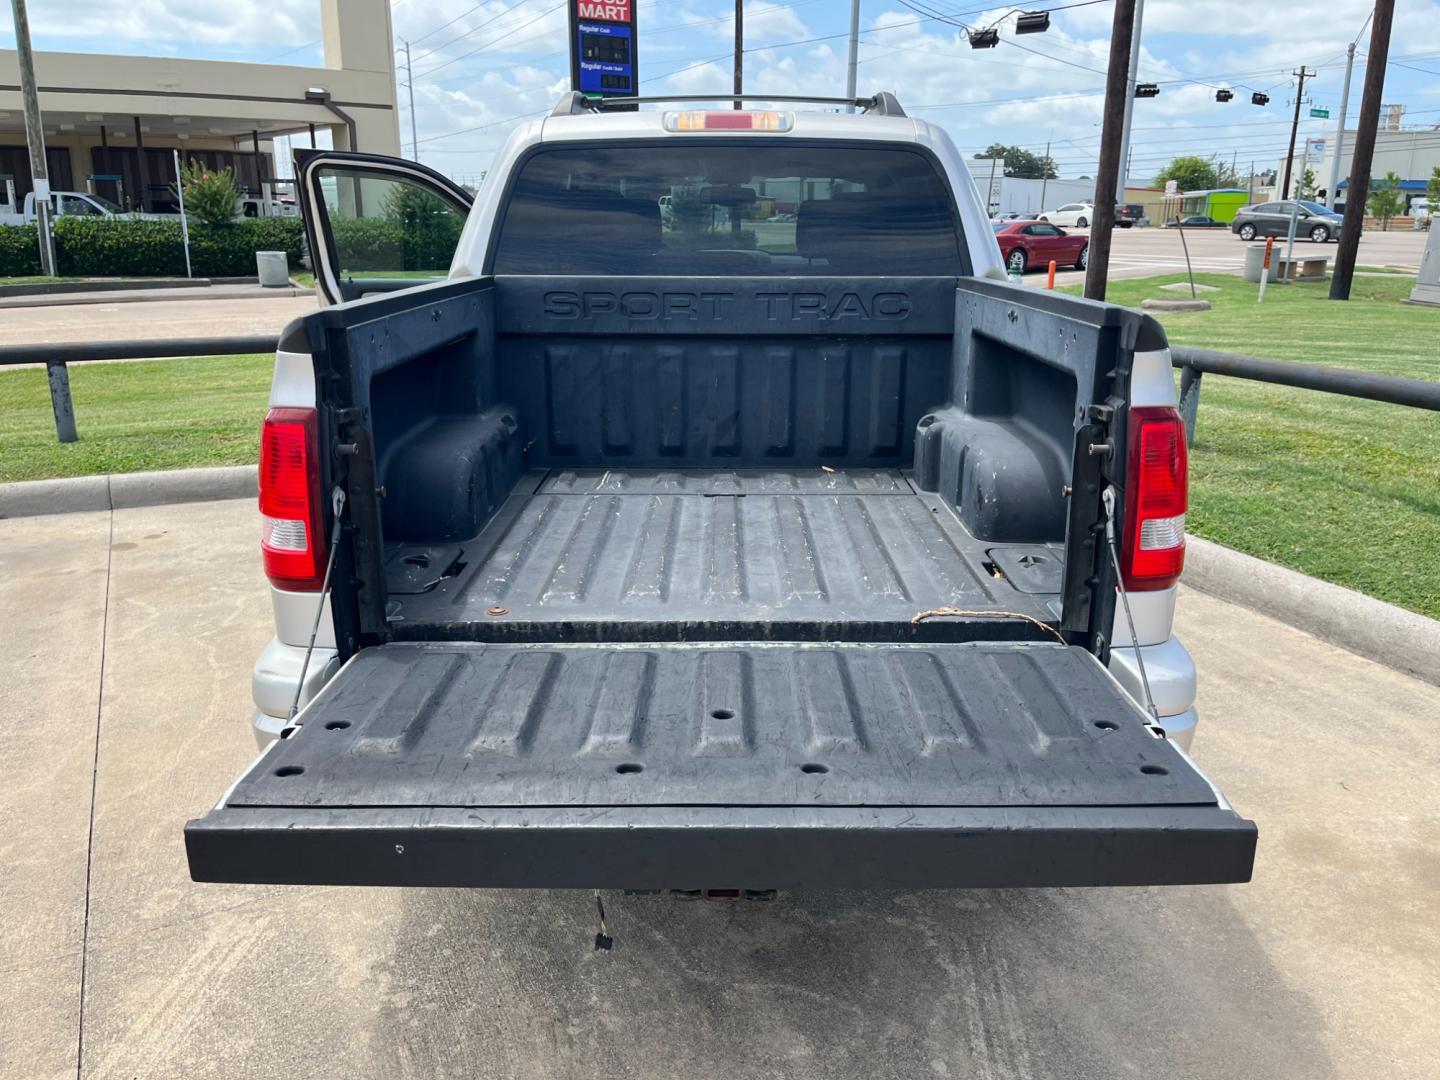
(992, 171)
(1314, 151)
(604, 54)
(1172, 188)
(1320, 114)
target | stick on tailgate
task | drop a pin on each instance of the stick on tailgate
(722, 765)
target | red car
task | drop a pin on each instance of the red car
(1034, 243)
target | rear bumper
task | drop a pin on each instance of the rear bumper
(725, 847)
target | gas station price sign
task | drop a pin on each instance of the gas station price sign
(603, 54)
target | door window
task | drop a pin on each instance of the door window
(387, 227)
(1042, 229)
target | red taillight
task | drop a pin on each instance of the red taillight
(1156, 498)
(292, 536)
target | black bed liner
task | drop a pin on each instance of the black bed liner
(711, 554)
(722, 765)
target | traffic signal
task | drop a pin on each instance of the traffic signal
(1147, 89)
(1032, 22)
(1258, 98)
(1224, 95)
(984, 39)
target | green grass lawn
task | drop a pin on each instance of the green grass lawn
(1342, 489)
(135, 416)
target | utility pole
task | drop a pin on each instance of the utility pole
(35, 137)
(1097, 273)
(739, 50)
(1130, 102)
(410, 82)
(854, 54)
(1302, 74)
(1360, 164)
(1044, 175)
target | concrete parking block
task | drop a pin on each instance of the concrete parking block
(52, 595)
(1324, 966)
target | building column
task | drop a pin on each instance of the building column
(143, 167)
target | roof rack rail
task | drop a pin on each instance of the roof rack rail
(574, 103)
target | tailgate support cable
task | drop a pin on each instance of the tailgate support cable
(1108, 497)
(337, 498)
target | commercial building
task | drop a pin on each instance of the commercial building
(112, 123)
(1412, 154)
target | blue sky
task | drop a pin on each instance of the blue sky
(478, 66)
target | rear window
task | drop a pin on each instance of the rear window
(697, 208)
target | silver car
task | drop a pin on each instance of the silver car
(1314, 221)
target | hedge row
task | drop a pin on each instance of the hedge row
(132, 247)
(19, 251)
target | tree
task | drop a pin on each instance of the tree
(1432, 190)
(1190, 172)
(1022, 163)
(211, 195)
(1384, 200)
(1307, 185)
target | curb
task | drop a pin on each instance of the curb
(1371, 628)
(51, 288)
(168, 294)
(124, 491)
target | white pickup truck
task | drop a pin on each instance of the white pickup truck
(724, 521)
(84, 204)
(63, 204)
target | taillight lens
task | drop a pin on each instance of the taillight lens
(292, 536)
(1152, 553)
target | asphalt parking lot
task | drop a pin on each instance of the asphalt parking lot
(1138, 253)
(123, 706)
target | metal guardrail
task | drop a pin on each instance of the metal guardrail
(55, 357)
(1193, 363)
(1392, 389)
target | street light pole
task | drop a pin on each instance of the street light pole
(739, 51)
(1340, 133)
(410, 83)
(1130, 103)
(35, 138)
(854, 54)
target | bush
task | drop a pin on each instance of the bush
(134, 247)
(19, 251)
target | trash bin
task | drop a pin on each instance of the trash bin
(1255, 262)
(273, 268)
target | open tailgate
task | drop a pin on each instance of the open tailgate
(722, 765)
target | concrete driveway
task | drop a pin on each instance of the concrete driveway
(123, 704)
(127, 321)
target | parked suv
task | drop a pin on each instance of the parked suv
(1314, 221)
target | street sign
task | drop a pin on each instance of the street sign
(1320, 114)
(604, 59)
(1314, 151)
(994, 170)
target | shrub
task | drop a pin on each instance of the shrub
(19, 251)
(211, 196)
(134, 247)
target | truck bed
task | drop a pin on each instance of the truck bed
(703, 554)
